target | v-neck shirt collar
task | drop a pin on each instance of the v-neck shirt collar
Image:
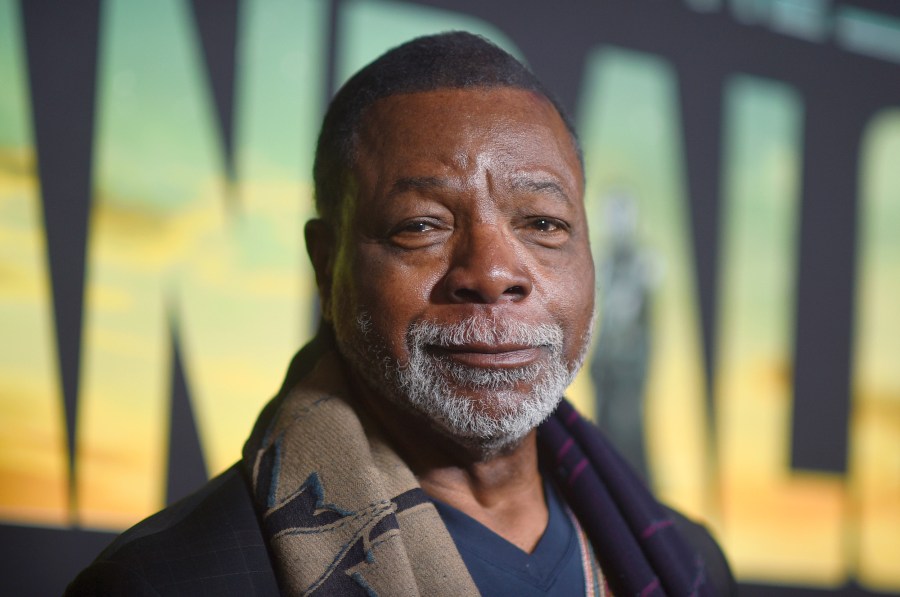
(500, 568)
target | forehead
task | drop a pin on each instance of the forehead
(516, 128)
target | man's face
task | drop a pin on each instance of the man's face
(462, 281)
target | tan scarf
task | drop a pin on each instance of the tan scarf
(342, 514)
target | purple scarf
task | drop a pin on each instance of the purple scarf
(635, 539)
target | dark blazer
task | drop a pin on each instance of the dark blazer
(210, 543)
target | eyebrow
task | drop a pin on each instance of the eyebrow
(519, 183)
(549, 187)
(417, 183)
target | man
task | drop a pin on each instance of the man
(403, 455)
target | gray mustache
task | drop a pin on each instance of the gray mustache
(484, 330)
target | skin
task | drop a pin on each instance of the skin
(463, 202)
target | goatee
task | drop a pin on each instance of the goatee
(484, 409)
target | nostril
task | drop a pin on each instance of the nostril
(467, 295)
(515, 290)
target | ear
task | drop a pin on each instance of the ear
(320, 246)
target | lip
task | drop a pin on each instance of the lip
(491, 356)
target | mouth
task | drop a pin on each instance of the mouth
(490, 356)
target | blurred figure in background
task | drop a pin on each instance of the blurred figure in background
(619, 364)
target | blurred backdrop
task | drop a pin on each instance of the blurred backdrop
(743, 186)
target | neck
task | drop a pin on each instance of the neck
(500, 489)
(504, 493)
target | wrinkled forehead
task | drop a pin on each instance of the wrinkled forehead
(389, 111)
(415, 127)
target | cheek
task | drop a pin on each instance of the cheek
(387, 283)
(572, 302)
(394, 293)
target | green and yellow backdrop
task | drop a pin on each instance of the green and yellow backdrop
(155, 175)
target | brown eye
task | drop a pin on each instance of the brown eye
(418, 233)
(545, 231)
(545, 225)
(414, 227)
(417, 226)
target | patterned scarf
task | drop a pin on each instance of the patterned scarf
(635, 539)
(343, 515)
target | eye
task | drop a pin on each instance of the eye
(545, 231)
(546, 224)
(418, 233)
(414, 227)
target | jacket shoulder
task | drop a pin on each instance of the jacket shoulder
(208, 543)
(718, 572)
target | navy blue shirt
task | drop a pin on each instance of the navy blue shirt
(500, 568)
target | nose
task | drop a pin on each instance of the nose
(486, 269)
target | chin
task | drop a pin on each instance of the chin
(464, 420)
(484, 449)
(479, 446)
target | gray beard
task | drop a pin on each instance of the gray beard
(520, 398)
